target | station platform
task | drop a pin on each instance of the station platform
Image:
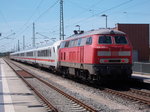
(15, 96)
(141, 77)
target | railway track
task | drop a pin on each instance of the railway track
(132, 94)
(71, 104)
(139, 92)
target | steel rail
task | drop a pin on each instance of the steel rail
(132, 97)
(140, 92)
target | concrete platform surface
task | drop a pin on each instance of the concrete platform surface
(15, 96)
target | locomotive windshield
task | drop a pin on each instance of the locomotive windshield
(105, 40)
(108, 39)
(120, 40)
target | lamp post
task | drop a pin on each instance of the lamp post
(104, 15)
(46, 41)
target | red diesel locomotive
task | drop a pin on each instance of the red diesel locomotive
(96, 54)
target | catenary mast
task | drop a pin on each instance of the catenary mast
(33, 35)
(61, 21)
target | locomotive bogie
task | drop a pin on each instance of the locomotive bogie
(113, 71)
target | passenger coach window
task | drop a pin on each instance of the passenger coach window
(120, 40)
(29, 53)
(54, 49)
(22, 54)
(50, 53)
(105, 40)
(43, 53)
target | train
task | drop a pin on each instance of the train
(93, 55)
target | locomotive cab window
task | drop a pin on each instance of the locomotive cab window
(120, 40)
(105, 40)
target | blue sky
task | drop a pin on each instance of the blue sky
(17, 16)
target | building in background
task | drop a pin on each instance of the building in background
(139, 35)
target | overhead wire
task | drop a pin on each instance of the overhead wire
(39, 15)
(85, 19)
(67, 26)
(114, 7)
(1, 13)
(85, 10)
(28, 20)
(119, 5)
(46, 10)
(137, 4)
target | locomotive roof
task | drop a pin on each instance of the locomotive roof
(99, 31)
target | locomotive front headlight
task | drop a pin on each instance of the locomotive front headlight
(124, 53)
(124, 60)
(104, 60)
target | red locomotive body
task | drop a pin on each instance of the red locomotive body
(97, 54)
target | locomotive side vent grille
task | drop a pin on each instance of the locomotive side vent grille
(114, 53)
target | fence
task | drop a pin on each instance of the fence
(141, 67)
